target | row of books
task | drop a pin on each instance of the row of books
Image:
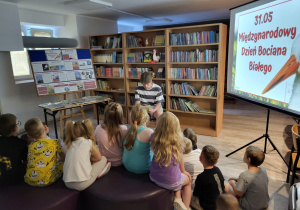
(133, 41)
(208, 90)
(137, 72)
(113, 42)
(183, 89)
(109, 58)
(188, 106)
(103, 85)
(202, 37)
(102, 71)
(194, 56)
(186, 89)
(197, 73)
(137, 57)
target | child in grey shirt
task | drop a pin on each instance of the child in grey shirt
(252, 185)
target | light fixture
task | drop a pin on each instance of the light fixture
(88, 4)
(157, 20)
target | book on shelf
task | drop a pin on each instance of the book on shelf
(102, 71)
(103, 85)
(202, 37)
(160, 73)
(113, 42)
(162, 56)
(147, 56)
(94, 42)
(135, 57)
(133, 41)
(188, 106)
(159, 40)
(183, 89)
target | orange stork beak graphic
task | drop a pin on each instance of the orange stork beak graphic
(288, 69)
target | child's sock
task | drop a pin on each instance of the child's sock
(105, 169)
(179, 205)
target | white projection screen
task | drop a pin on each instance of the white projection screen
(264, 54)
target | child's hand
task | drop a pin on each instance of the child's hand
(151, 111)
(232, 182)
(235, 179)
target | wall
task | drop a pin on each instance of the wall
(93, 26)
(22, 99)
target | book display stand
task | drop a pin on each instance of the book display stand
(187, 62)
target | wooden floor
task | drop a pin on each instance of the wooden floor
(244, 122)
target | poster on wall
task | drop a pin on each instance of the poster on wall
(62, 71)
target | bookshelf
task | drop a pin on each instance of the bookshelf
(193, 55)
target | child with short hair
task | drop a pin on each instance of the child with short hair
(13, 151)
(84, 163)
(227, 202)
(190, 134)
(252, 185)
(110, 134)
(167, 167)
(137, 154)
(42, 166)
(150, 94)
(210, 183)
(191, 160)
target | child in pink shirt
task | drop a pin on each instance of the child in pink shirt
(110, 134)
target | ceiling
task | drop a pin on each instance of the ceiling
(141, 12)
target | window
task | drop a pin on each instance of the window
(20, 61)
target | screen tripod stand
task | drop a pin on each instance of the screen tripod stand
(266, 137)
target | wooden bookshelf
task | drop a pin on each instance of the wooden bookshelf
(202, 123)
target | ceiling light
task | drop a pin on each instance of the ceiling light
(88, 4)
(156, 20)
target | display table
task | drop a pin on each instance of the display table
(53, 108)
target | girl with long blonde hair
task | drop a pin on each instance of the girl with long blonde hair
(110, 134)
(167, 167)
(137, 154)
(83, 162)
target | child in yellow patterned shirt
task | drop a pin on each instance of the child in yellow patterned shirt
(45, 156)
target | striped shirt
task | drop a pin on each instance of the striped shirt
(149, 97)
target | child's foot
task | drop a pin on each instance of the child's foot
(105, 169)
(179, 205)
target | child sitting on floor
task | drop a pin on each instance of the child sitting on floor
(42, 166)
(167, 167)
(110, 134)
(84, 162)
(13, 151)
(210, 183)
(252, 185)
(191, 160)
(137, 154)
(190, 134)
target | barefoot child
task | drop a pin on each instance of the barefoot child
(167, 167)
(84, 162)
